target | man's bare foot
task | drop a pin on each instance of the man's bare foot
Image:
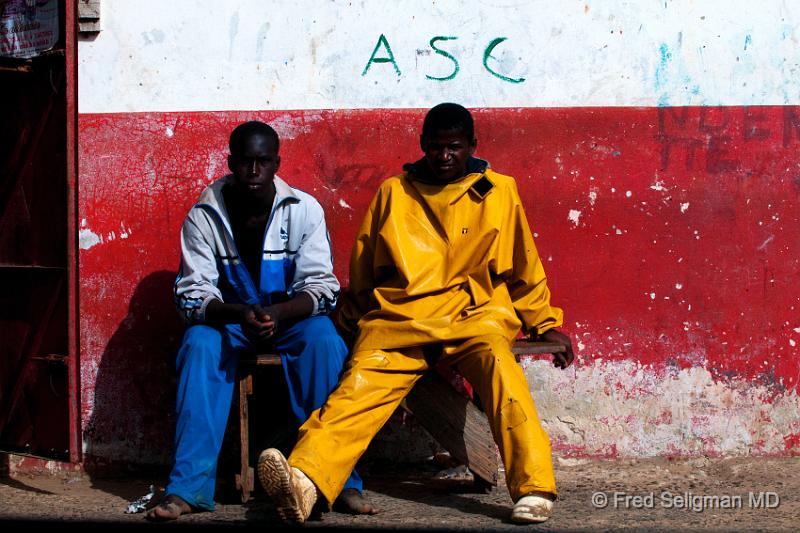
(170, 508)
(351, 501)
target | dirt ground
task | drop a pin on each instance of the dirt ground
(736, 494)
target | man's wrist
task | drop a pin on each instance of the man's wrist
(274, 312)
(219, 312)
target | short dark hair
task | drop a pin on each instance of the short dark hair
(448, 117)
(248, 129)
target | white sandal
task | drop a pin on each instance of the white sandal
(532, 509)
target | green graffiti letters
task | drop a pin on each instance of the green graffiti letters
(439, 51)
(488, 53)
(390, 59)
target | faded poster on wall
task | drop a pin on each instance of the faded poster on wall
(27, 27)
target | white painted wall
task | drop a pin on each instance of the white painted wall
(205, 55)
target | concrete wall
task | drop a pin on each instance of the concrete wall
(656, 147)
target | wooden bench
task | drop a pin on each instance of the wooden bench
(450, 418)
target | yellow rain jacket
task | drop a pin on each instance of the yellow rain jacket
(453, 261)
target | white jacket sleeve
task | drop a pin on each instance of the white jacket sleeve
(314, 263)
(196, 285)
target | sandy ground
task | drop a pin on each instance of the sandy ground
(644, 495)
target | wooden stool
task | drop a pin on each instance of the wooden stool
(245, 479)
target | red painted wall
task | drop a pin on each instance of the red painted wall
(685, 252)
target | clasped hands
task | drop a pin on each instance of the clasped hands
(259, 324)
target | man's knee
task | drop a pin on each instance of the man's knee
(320, 334)
(201, 343)
(491, 350)
(200, 336)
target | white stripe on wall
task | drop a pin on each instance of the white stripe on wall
(205, 55)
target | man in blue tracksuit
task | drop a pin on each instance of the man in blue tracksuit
(256, 270)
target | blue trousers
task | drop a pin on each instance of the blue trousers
(313, 356)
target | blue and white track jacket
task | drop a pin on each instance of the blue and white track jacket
(297, 255)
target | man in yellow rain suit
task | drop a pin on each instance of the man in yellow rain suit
(444, 268)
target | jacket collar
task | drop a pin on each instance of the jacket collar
(420, 170)
(212, 197)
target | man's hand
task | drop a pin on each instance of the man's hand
(561, 359)
(258, 324)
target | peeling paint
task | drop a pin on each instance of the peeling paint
(87, 238)
(291, 126)
(574, 216)
(651, 412)
(768, 240)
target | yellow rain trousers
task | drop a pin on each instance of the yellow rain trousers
(437, 271)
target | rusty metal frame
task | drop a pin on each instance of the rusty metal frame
(71, 69)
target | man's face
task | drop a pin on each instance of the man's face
(254, 166)
(447, 152)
